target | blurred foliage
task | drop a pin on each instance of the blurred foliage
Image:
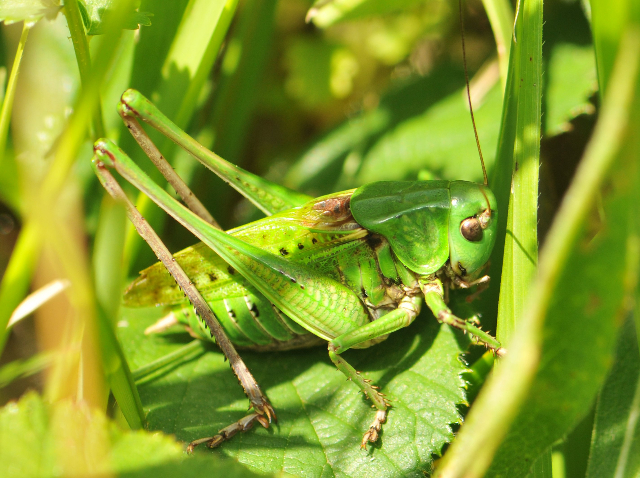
(41, 439)
(368, 90)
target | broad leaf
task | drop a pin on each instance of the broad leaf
(321, 416)
(420, 124)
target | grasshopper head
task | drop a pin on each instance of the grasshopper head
(428, 222)
(473, 222)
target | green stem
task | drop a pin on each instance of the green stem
(85, 106)
(7, 105)
(500, 16)
(83, 56)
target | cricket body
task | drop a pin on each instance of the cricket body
(348, 268)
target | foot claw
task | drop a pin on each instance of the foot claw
(270, 412)
(372, 434)
(242, 425)
(262, 406)
(263, 421)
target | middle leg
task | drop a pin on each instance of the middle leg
(407, 311)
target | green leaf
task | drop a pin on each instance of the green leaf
(441, 139)
(615, 448)
(67, 438)
(419, 124)
(572, 80)
(28, 10)
(321, 416)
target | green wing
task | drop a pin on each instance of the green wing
(304, 234)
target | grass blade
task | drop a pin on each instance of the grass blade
(551, 340)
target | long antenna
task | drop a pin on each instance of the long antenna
(466, 77)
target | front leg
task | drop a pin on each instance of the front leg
(433, 291)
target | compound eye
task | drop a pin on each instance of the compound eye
(471, 229)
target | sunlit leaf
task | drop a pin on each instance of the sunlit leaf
(321, 416)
